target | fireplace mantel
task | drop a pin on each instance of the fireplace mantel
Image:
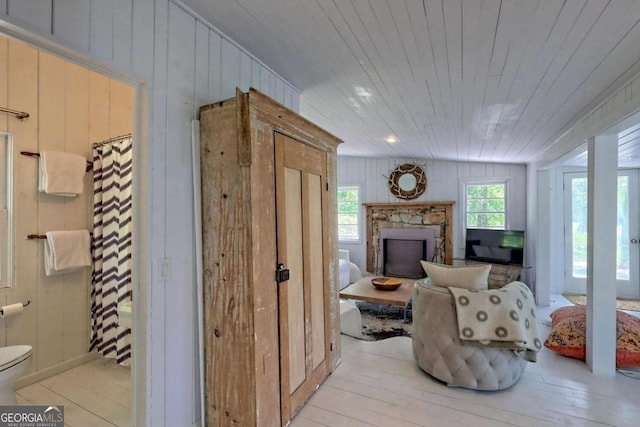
(436, 215)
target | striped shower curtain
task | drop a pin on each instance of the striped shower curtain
(111, 276)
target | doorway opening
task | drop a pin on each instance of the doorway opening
(627, 248)
(73, 102)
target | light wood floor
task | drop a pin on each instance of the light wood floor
(97, 393)
(379, 384)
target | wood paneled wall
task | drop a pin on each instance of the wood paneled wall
(445, 181)
(184, 63)
(70, 107)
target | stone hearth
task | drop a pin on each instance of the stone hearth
(436, 216)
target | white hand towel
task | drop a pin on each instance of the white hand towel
(66, 251)
(61, 173)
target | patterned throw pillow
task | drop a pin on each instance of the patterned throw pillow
(472, 277)
(568, 335)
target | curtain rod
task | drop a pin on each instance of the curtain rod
(110, 140)
(96, 144)
(20, 115)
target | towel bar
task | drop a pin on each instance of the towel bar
(44, 236)
(20, 115)
(32, 154)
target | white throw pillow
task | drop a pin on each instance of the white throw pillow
(474, 277)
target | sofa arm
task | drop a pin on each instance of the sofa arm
(343, 270)
(343, 254)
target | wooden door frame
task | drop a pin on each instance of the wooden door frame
(579, 285)
(141, 264)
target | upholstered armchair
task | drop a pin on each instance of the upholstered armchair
(439, 352)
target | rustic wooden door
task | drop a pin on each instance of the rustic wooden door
(303, 299)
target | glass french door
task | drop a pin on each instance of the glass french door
(627, 232)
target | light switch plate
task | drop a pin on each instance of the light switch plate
(164, 269)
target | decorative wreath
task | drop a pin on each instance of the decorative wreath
(407, 181)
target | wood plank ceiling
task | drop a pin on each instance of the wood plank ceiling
(469, 80)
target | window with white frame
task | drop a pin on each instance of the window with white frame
(349, 213)
(486, 205)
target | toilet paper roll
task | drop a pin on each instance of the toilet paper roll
(11, 310)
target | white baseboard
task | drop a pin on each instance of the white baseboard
(54, 370)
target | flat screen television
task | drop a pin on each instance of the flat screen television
(495, 246)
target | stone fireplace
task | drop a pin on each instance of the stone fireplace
(436, 216)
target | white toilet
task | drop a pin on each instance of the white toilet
(14, 361)
(124, 314)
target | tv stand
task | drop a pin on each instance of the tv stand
(499, 275)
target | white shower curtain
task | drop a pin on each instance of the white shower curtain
(112, 228)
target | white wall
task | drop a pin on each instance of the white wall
(183, 63)
(445, 182)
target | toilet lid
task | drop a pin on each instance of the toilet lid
(12, 355)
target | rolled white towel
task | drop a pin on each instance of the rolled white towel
(66, 251)
(61, 173)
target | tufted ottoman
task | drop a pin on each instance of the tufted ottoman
(438, 351)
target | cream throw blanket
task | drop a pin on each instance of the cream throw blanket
(504, 318)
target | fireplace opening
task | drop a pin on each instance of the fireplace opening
(402, 257)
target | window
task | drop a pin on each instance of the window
(349, 213)
(486, 205)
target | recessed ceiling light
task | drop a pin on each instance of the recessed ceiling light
(391, 139)
(363, 92)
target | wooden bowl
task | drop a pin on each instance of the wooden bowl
(386, 283)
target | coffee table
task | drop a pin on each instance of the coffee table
(363, 290)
